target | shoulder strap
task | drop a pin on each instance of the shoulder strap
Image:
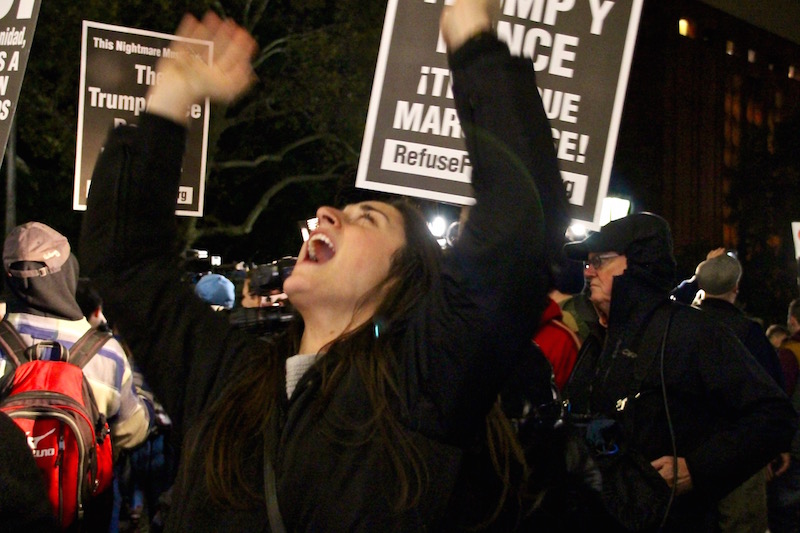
(12, 344)
(87, 346)
(651, 344)
(274, 516)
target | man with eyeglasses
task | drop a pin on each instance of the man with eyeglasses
(685, 392)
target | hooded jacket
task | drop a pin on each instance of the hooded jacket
(44, 308)
(52, 295)
(729, 418)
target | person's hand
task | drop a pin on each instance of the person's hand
(778, 466)
(466, 19)
(665, 466)
(187, 79)
(716, 252)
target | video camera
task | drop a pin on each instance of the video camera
(270, 276)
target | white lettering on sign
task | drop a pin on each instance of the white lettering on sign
(575, 185)
(426, 160)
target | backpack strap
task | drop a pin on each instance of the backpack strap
(87, 346)
(12, 344)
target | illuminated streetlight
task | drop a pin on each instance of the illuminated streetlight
(437, 227)
(576, 232)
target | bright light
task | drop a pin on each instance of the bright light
(614, 208)
(438, 226)
(576, 232)
(307, 226)
(686, 27)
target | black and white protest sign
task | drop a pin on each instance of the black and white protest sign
(117, 68)
(17, 24)
(581, 51)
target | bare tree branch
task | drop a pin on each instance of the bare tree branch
(272, 49)
(259, 12)
(232, 230)
(278, 156)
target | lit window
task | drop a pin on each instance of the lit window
(686, 28)
(751, 56)
(729, 48)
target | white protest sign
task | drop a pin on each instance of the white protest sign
(581, 51)
(17, 24)
(117, 68)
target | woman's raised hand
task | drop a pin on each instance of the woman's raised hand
(465, 19)
(187, 79)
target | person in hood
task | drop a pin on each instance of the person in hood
(702, 411)
(42, 278)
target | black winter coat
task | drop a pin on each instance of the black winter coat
(459, 347)
(730, 418)
(749, 332)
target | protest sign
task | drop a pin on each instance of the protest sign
(581, 51)
(117, 68)
(17, 24)
(796, 237)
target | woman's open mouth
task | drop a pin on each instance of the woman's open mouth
(320, 248)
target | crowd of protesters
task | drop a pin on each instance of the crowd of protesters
(399, 387)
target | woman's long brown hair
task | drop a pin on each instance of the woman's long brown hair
(247, 405)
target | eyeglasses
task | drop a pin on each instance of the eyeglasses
(597, 261)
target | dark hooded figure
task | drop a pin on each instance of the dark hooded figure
(685, 392)
(42, 277)
(44, 295)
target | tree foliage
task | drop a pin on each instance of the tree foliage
(274, 156)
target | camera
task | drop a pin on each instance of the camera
(270, 276)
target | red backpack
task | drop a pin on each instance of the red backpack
(53, 403)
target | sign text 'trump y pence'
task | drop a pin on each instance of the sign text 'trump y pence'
(117, 68)
(581, 51)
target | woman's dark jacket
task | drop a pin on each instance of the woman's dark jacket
(471, 329)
